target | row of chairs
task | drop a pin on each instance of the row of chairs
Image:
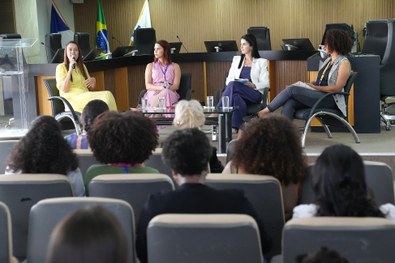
(216, 237)
(21, 192)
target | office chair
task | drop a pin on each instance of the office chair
(6, 235)
(358, 239)
(20, 192)
(132, 188)
(144, 41)
(46, 214)
(265, 195)
(59, 105)
(380, 40)
(328, 117)
(262, 35)
(208, 238)
(53, 42)
(184, 90)
(82, 39)
(379, 180)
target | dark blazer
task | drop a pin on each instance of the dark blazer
(195, 199)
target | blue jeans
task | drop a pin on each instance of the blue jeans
(294, 98)
(240, 96)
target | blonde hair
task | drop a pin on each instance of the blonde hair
(189, 114)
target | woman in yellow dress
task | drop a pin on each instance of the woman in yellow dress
(75, 83)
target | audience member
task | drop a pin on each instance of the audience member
(187, 152)
(75, 83)
(44, 150)
(93, 109)
(323, 255)
(189, 114)
(121, 142)
(340, 187)
(162, 77)
(272, 146)
(90, 234)
(332, 77)
(247, 78)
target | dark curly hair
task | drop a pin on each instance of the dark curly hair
(43, 150)
(339, 184)
(339, 41)
(271, 146)
(126, 137)
(187, 152)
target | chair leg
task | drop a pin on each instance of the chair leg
(326, 128)
(306, 130)
(76, 125)
(345, 123)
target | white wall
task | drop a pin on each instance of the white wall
(33, 18)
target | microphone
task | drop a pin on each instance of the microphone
(119, 42)
(73, 58)
(182, 44)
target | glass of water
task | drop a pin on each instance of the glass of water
(225, 102)
(161, 103)
(210, 102)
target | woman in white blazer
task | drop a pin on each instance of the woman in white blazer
(247, 78)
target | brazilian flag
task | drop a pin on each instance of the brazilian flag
(101, 30)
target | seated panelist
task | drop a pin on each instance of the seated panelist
(74, 82)
(162, 77)
(332, 77)
(247, 78)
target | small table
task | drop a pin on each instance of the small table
(223, 118)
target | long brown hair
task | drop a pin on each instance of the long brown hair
(166, 51)
(80, 63)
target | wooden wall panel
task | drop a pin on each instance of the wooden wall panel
(136, 83)
(199, 20)
(216, 74)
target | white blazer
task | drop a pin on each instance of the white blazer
(259, 72)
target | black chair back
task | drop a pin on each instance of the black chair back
(56, 105)
(262, 35)
(53, 42)
(82, 38)
(185, 88)
(144, 40)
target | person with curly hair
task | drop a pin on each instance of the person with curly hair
(332, 77)
(340, 187)
(44, 150)
(121, 142)
(93, 109)
(272, 146)
(190, 114)
(90, 234)
(187, 152)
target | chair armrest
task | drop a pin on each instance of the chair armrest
(315, 106)
(68, 105)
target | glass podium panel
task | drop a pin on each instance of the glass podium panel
(13, 87)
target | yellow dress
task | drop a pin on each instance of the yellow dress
(78, 94)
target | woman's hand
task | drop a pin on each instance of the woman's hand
(90, 83)
(71, 64)
(250, 84)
